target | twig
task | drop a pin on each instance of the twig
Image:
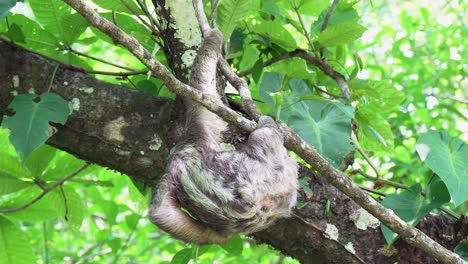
(367, 189)
(122, 74)
(97, 59)
(325, 92)
(318, 62)
(410, 234)
(329, 13)
(304, 29)
(387, 182)
(143, 7)
(361, 151)
(52, 78)
(148, 26)
(45, 191)
(214, 6)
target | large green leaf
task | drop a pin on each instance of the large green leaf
(30, 125)
(10, 184)
(74, 207)
(271, 83)
(411, 207)
(448, 158)
(56, 18)
(5, 6)
(374, 131)
(39, 160)
(182, 257)
(234, 246)
(231, 12)
(462, 250)
(118, 6)
(340, 34)
(14, 247)
(378, 96)
(30, 32)
(11, 166)
(277, 33)
(326, 126)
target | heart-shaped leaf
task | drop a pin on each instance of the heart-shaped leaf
(448, 158)
(30, 124)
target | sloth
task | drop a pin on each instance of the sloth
(207, 195)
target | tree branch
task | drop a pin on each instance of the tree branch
(293, 141)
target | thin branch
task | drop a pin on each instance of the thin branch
(292, 141)
(45, 191)
(147, 25)
(367, 189)
(361, 151)
(144, 7)
(68, 48)
(304, 29)
(318, 62)
(325, 92)
(214, 7)
(329, 13)
(121, 74)
(386, 182)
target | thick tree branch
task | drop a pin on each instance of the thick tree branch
(292, 140)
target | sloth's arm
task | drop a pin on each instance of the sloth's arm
(165, 212)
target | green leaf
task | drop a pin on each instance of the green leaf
(63, 165)
(234, 246)
(56, 18)
(337, 17)
(340, 34)
(304, 183)
(30, 125)
(35, 37)
(312, 7)
(73, 207)
(379, 96)
(292, 67)
(231, 12)
(118, 6)
(462, 250)
(324, 125)
(182, 257)
(9, 184)
(411, 207)
(277, 33)
(5, 7)
(447, 157)
(374, 131)
(14, 247)
(12, 166)
(270, 84)
(73, 25)
(39, 160)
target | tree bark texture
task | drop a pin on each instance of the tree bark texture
(133, 132)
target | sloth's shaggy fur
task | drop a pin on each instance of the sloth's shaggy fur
(208, 194)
